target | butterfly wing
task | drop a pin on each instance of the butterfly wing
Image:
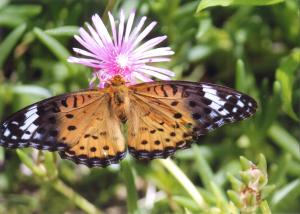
(76, 124)
(165, 116)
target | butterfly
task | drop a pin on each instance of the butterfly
(161, 117)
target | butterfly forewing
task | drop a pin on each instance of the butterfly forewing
(168, 114)
(70, 123)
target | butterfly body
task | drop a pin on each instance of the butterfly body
(161, 118)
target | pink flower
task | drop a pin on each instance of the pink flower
(123, 53)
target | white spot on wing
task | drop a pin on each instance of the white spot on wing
(29, 121)
(32, 110)
(210, 90)
(224, 112)
(6, 133)
(31, 128)
(214, 106)
(25, 136)
(240, 104)
(214, 98)
(213, 114)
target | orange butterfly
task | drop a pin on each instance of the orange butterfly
(162, 117)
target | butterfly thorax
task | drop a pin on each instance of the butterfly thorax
(119, 100)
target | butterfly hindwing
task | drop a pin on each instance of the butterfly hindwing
(62, 123)
(166, 115)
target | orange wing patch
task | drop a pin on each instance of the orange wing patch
(98, 140)
(152, 133)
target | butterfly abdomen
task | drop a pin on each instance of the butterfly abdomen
(119, 101)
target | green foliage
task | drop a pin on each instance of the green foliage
(242, 45)
(212, 3)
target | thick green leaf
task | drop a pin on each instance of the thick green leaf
(184, 181)
(224, 3)
(54, 46)
(285, 74)
(290, 192)
(32, 89)
(186, 202)
(9, 20)
(285, 140)
(26, 10)
(27, 160)
(63, 31)
(9, 43)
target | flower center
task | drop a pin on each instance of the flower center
(122, 61)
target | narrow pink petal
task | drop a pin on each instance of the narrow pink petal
(84, 60)
(86, 37)
(121, 28)
(154, 74)
(113, 27)
(137, 29)
(90, 42)
(101, 29)
(85, 53)
(87, 62)
(160, 70)
(149, 44)
(144, 33)
(141, 77)
(129, 26)
(95, 35)
(92, 48)
(158, 59)
(154, 53)
(87, 45)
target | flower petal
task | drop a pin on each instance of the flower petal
(101, 29)
(113, 27)
(154, 74)
(160, 70)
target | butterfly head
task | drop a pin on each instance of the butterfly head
(117, 80)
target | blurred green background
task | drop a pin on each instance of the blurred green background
(250, 45)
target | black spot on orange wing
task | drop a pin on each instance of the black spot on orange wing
(144, 142)
(177, 115)
(174, 103)
(71, 128)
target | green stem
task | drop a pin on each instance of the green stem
(132, 197)
(77, 199)
(184, 181)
